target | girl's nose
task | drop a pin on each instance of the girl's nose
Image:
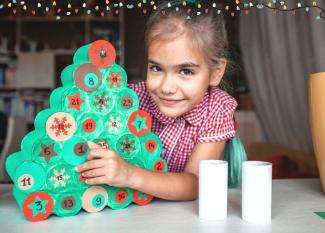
(168, 85)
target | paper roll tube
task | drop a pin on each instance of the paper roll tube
(213, 187)
(316, 118)
(256, 191)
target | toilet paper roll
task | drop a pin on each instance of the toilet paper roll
(213, 180)
(256, 191)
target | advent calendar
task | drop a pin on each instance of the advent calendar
(93, 104)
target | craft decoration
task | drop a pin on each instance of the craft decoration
(113, 8)
(94, 104)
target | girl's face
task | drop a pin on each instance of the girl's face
(178, 76)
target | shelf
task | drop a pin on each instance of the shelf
(8, 89)
(28, 42)
(23, 89)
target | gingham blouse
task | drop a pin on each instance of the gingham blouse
(210, 121)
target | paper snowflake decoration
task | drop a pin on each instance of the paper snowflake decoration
(101, 101)
(59, 178)
(60, 126)
(114, 124)
(127, 146)
(115, 79)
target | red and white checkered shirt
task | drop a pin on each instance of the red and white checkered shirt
(211, 120)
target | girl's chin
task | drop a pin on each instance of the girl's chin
(171, 112)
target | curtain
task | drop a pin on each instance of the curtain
(279, 52)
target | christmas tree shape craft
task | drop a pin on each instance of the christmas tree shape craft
(93, 104)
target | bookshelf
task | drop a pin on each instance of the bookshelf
(34, 50)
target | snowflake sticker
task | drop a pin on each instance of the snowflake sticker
(127, 146)
(101, 102)
(60, 126)
(115, 79)
(59, 178)
(114, 124)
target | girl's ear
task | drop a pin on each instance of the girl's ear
(218, 71)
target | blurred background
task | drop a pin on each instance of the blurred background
(274, 46)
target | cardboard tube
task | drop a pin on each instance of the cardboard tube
(256, 191)
(213, 187)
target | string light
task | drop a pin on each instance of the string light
(202, 7)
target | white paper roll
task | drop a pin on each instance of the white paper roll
(256, 191)
(213, 186)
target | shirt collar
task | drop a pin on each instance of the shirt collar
(193, 117)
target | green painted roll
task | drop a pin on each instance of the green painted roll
(75, 151)
(115, 78)
(14, 161)
(67, 204)
(19, 196)
(119, 198)
(115, 123)
(151, 146)
(106, 141)
(75, 101)
(41, 119)
(101, 101)
(127, 101)
(59, 178)
(35, 206)
(29, 141)
(46, 151)
(90, 125)
(81, 55)
(67, 75)
(157, 164)
(29, 177)
(128, 146)
(56, 98)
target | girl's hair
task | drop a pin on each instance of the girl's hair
(207, 31)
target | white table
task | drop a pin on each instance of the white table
(294, 204)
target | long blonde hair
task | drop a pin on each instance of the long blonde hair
(207, 31)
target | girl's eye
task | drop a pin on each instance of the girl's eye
(186, 72)
(155, 68)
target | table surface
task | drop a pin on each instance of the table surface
(293, 205)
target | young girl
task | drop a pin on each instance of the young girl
(192, 116)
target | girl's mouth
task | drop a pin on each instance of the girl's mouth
(169, 102)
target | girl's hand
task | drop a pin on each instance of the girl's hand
(105, 167)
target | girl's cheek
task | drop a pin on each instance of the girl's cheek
(153, 82)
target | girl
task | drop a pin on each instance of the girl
(186, 61)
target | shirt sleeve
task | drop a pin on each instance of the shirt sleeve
(219, 124)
